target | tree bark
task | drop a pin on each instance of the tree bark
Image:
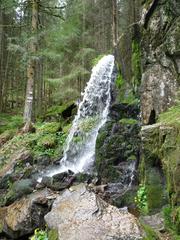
(114, 23)
(31, 68)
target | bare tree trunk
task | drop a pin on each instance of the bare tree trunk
(1, 57)
(28, 110)
(114, 23)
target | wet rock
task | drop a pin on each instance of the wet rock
(43, 161)
(117, 149)
(23, 216)
(124, 110)
(59, 181)
(80, 215)
(19, 189)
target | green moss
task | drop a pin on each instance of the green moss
(77, 139)
(8, 122)
(119, 81)
(171, 116)
(47, 141)
(7, 135)
(51, 127)
(87, 124)
(67, 128)
(1, 227)
(96, 59)
(128, 121)
(172, 220)
(150, 233)
(53, 234)
(136, 65)
(130, 98)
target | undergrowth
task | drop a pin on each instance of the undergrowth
(171, 116)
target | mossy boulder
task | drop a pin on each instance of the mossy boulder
(19, 189)
(160, 164)
(116, 144)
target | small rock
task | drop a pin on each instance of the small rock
(156, 221)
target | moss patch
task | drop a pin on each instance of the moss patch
(10, 122)
(128, 121)
(50, 127)
(171, 116)
(53, 234)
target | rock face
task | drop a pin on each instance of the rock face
(23, 216)
(161, 62)
(80, 215)
(160, 164)
(117, 153)
(117, 146)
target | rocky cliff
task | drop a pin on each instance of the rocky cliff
(160, 29)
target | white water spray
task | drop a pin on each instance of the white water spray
(92, 113)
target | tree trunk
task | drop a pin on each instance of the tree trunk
(114, 23)
(28, 110)
(1, 56)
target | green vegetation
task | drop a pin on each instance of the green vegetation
(136, 65)
(141, 199)
(129, 121)
(130, 98)
(96, 59)
(119, 81)
(40, 235)
(87, 124)
(171, 116)
(53, 234)
(51, 127)
(172, 220)
(10, 122)
(150, 233)
(46, 141)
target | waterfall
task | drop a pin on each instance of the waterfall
(79, 151)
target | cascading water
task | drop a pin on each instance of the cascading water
(92, 114)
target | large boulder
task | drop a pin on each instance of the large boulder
(160, 57)
(81, 215)
(23, 216)
(117, 149)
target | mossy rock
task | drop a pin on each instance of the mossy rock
(19, 189)
(116, 143)
(161, 153)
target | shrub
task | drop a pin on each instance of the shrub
(39, 235)
(141, 199)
